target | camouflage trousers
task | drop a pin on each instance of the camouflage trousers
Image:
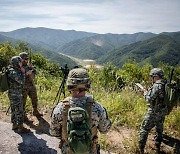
(17, 113)
(32, 93)
(151, 120)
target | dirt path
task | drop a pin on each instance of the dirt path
(38, 141)
(120, 140)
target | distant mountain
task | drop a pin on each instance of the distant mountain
(174, 35)
(4, 39)
(117, 48)
(95, 46)
(52, 56)
(51, 39)
(160, 48)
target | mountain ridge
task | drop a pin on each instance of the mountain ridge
(160, 48)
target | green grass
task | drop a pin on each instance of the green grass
(125, 107)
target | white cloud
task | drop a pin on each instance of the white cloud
(102, 16)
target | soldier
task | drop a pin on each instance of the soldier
(78, 83)
(29, 88)
(16, 78)
(156, 112)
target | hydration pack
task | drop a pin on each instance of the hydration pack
(77, 130)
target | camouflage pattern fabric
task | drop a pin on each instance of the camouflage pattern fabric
(155, 115)
(29, 88)
(16, 81)
(99, 118)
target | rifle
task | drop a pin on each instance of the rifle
(171, 75)
(30, 56)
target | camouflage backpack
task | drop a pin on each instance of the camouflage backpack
(3, 81)
(172, 96)
(76, 128)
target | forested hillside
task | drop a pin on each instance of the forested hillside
(52, 56)
(116, 48)
(161, 48)
(96, 46)
(4, 39)
(7, 51)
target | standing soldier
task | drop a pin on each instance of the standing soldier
(16, 78)
(29, 88)
(76, 130)
(156, 112)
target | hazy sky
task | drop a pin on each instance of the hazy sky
(100, 16)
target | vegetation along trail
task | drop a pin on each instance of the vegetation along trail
(113, 86)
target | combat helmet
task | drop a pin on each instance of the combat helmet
(156, 72)
(15, 61)
(78, 78)
(23, 55)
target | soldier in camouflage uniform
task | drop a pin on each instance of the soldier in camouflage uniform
(156, 112)
(16, 78)
(78, 83)
(29, 88)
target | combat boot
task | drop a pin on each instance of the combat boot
(36, 113)
(14, 126)
(22, 129)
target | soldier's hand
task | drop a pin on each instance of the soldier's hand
(30, 65)
(22, 69)
(144, 90)
(29, 72)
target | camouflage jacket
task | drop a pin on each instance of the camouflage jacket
(99, 116)
(15, 79)
(155, 96)
(29, 79)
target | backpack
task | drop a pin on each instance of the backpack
(76, 127)
(172, 96)
(3, 81)
(79, 130)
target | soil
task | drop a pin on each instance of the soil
(39, 141)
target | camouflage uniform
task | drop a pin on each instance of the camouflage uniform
(30, 88)
(100, 120)
(16, 81)
(155, 115)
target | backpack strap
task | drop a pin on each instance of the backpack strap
(94, 131)
(66, 107)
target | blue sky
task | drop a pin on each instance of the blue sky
(99, 16)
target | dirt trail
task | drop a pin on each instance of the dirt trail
(38, 141)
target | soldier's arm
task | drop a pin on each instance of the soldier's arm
(104, 121)
(56, 121)
(32, 68)
(151, 95)
(16, 76)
